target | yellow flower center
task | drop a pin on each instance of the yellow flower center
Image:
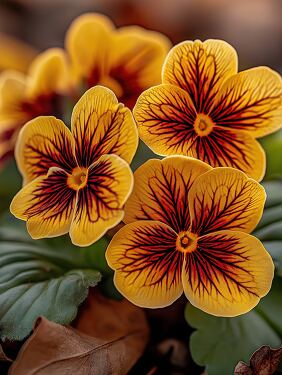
(186, 242)
(203, 125)
(78, 179)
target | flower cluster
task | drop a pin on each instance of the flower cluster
(188, 217)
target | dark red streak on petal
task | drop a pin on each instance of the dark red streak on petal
(238, 113)
(218, 256)
(97, 198)
(233, 215)
(56, 153)
(90, 148)
(153, 250)
(201, 84)
(170, 201)
(54, 196)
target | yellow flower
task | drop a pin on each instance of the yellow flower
(187, 230)
(205, 109)
(76, 181)
(127, 60)
(24, 97)
(15, 54)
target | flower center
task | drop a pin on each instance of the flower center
(203, 125)
(186, 242)
(78, 179)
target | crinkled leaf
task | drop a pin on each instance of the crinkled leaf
(219, 343)
(49, 278)
(109, 337)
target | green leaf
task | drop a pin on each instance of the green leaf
(269, 230)
(272, 145)
(220, 343)
(10, 184)
(143, 154)
(45, 277)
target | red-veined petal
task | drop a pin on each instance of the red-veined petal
(100, 203)
(146, 263)
(161, 191)
(225, 198)
(200, 68)
(101, 125)
(165, 116)
(250, 101)
(227, 274)
(47, 204)
(43, 143)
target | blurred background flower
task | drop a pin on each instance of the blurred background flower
(253, 27)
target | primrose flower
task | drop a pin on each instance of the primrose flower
(128, 60)
(187, 230)
(24, 97)
(205, 109)
(76, 181)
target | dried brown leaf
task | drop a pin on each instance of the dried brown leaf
(264, 361)
(108, 339)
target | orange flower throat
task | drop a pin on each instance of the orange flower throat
(78, 179)
(203, 125)
(186, 242)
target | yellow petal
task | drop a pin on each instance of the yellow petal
(226, 148)
(161, 191)
(43, 143)
(135, 61)
(48, 74)
(15, 54)
(200, 69)
(169, 125)
(47, 204)
(227, 274)
(146, 263)
(100, 203)
(250, 101)
(225, 198)
(165, 117)
(12, 92)
(87, 42)
(101, 125)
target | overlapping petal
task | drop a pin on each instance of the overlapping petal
(148, 266)
(200, 68)
(49, 73)
(87, 42)
(228, 273)
(224, 147)
(165, 116)
(12, 90)
(47, 204)
(43, 143)
(135, 61)
(101, 125)
(100, 203)
(161, 191)
(250, 101)
(126, 60)
(225, 198)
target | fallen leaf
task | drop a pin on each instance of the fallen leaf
(108, 339)
(3, 356)
(264, 361)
